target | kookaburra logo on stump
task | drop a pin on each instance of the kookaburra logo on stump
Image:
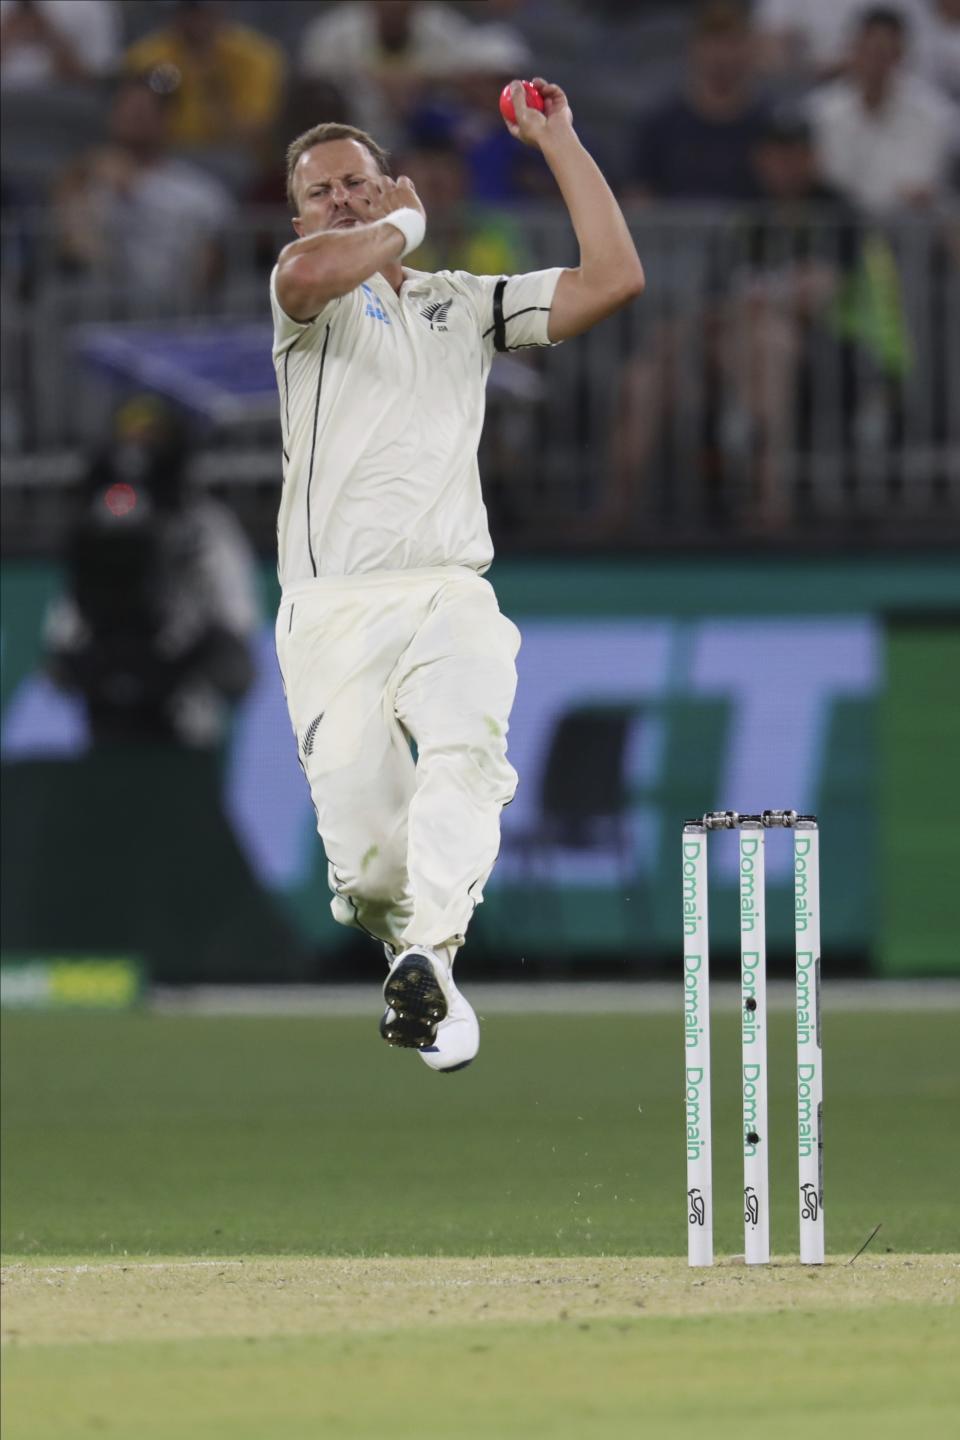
(698, 1208)
(811, 1202)
(437, 314)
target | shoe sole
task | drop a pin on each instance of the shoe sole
(413, 993)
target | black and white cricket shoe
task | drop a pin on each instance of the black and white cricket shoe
(446, 1042)
(416, 994)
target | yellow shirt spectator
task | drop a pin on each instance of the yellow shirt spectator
(225, 83)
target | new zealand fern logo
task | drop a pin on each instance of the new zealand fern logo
(437, 314)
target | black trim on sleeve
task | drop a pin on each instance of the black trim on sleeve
(505, 321)
(313, 444)
(499, 324)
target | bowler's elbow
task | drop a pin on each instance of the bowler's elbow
(304, 284)
(633, 284)
(583, 298)
(620, 290)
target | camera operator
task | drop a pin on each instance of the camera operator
(154, 631)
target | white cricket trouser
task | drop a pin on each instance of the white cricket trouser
(369, 663)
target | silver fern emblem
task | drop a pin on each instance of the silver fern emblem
(437, 313)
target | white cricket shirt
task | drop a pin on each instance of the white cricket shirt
(381, 403)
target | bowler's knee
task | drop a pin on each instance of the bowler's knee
(377, 875)
(477, 759)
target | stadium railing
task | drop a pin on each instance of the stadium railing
(791, 383)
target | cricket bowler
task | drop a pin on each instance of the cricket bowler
(398, 666)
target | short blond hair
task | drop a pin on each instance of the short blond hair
(320, 135)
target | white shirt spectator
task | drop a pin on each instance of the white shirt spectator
(152, 231)
(158, 230)
(90, 28)
(344, 45)
(825, 28)
(345, 39)
(938, 49)
(878, 159)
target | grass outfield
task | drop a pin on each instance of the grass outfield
(196, 1211)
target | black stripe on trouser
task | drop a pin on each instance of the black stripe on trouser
(307, 778)
(313, 443)
(353, 906)
(470, 889)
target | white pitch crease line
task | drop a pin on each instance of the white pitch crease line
(122, 1265)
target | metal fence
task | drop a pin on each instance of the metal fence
(794, 381)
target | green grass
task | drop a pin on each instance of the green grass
(864, 1375)
(160, 1135)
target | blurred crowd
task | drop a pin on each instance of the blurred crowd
(204, 101)
(147, 130)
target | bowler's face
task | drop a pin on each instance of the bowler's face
(338, 186)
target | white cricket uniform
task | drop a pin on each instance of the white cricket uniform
(387, 633)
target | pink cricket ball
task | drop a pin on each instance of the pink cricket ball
(531, 94)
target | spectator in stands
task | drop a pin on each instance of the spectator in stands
(697, 144)
(938, 46)
(769, 320)
(155, 630)
(813, 40)
(382, 52)
(131, 214)
(461, 110)
(809, 42)
(780, 319)
(884, 138)
(463, 235)
(306, 102)
(46, 42)
(225, 79)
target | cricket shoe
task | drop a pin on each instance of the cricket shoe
(458, 1036)
(416, 991)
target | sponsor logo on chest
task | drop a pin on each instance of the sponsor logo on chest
(373, 307)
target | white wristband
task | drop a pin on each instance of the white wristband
(411, 225)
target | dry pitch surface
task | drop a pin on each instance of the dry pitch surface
(482, 1349)
(177, 1299)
